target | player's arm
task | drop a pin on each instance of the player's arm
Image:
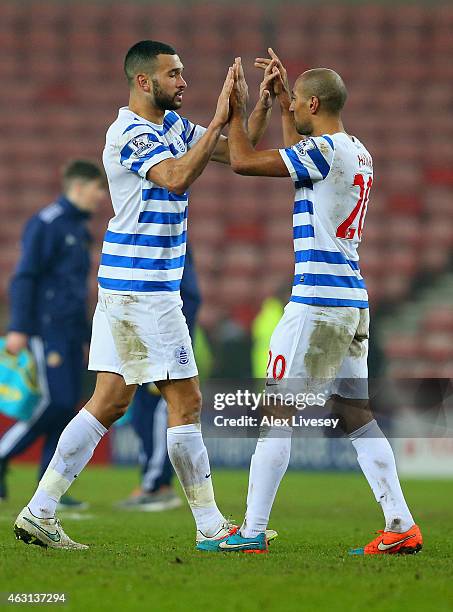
(290, 135)
(282, 91)
(307, 162)
(177, 175)
(256, 126)
(244, 158)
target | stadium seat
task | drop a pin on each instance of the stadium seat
(437, 347)
(400, 346)
(439, 319)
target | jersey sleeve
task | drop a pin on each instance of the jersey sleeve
(142, 150)
(309, 160)
(192, 133)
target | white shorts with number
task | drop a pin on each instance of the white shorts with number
(144, 338)
(320, 349)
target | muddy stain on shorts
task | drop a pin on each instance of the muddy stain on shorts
(357, 349)
(327, 348)
(125, 300)
(132, 351)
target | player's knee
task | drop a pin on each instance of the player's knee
(352, 414)
(117, 409)
(109, 411)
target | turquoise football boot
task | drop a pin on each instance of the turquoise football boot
(237, 543)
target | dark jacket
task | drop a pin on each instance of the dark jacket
(190, 292)
(49, 289)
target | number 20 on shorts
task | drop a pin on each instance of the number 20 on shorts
(278, 366)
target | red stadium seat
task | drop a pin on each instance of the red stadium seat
(92, 14)
(437, 347)
(46, 13)
(439, 319)
(400, 346)
(439, 175)
(10, 13)
(434, 260)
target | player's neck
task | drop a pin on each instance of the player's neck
(328, 126)
(142, 109)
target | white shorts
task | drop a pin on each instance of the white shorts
(144, 338)
(320, 349)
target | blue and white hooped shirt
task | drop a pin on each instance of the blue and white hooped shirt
(145, 242)
(333, 175)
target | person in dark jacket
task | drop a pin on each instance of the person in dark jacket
(48, 303)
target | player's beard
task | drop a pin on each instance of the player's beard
(162, 100)
(304, 129)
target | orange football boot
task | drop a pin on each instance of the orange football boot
(391, 543)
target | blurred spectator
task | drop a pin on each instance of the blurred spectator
(48, 301)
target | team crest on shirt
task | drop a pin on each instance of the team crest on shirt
(182, 355)
(142, 145)
(304, 146)
(179, 144)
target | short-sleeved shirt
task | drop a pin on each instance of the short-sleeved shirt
(145, 242)
(333, 175)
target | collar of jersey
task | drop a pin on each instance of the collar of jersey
(156, 126)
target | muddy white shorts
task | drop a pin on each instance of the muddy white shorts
(320, 349)
(144, 338)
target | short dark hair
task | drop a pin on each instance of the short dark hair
(82, 169)
(141, 54)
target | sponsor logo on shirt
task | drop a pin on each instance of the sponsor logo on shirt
(304, 145)
(143, 145)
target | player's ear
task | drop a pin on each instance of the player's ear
(314, 105)
(143, 82)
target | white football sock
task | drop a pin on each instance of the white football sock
(189, 458)
(267, 467)
(75, 448)
(376, 458)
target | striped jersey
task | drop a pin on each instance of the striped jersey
(145, 242)
(333, 177)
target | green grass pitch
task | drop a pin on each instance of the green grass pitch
(140, 561)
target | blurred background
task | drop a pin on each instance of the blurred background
(62, 84)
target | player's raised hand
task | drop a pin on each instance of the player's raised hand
(240, 94)
(222, 112)
(281, 86)
(268, 85)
